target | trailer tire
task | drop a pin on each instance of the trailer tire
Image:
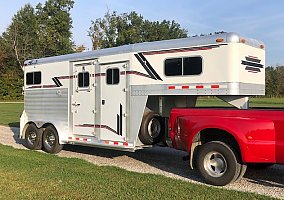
(218, 163)
(33, 137)
(51, 140)
(151, 129)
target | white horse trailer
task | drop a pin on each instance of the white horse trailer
(117, 97)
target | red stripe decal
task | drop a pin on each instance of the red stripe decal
(253, 72)
(77, 139)
(253, 57)
(85, 139)
(172, 87)
(199, 87)
(215, 86)
(115, 143)
(125, 144)
(182, 50)
(69, 138)
(185, 87)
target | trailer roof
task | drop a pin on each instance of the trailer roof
(149, 46)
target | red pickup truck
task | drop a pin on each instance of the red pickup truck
(222, 142)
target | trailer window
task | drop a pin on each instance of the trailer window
(112, 76)
(192, 65)
(33, 78)
(84, 79)
(173, 67)
(183, 66)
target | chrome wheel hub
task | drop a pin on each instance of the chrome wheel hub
(215, 164)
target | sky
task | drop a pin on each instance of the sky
(258, 19)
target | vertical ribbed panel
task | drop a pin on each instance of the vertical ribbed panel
(47, 105)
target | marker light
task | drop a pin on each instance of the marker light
(219, 40)
(262, 46)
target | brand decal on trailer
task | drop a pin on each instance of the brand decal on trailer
(252, 64)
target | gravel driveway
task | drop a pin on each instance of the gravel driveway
(161, 160)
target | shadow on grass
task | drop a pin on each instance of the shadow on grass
(14, 124)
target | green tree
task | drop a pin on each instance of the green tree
(280, 70)
(33, 33)
(54, 27)
(274, 82)
(19, 41)
(128, 28)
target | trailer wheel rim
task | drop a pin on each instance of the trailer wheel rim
(154, 128)
(50, 140)
(215, 164)
(31, 137)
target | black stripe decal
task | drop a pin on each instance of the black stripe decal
(252, 64)
(56, 82)
(117, 124)
(145, 67)
(120, 122)
(150, 67)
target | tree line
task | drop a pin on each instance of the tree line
(45, 30)
(274, 81)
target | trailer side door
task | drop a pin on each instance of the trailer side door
(112, 110)
(83, 98)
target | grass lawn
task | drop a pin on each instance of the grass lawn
(10, 113)
(254, 102)
(34, 175)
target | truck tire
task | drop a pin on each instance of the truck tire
(33, 137)
(218, 163)
(51, 140)
(151, 129)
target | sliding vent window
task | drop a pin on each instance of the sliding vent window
(33, 78)
(173, 67)
(183, 66)
(112, 76)
(192, 65)
(84, 79)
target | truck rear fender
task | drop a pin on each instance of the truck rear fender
(211, 134)
(254, 139)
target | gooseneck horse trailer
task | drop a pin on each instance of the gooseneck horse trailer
(120, 97)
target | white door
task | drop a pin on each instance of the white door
(113, 107)
(83, 98)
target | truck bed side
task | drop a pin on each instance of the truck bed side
(257, 134)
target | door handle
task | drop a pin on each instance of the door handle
(76, 104)
(103, 102)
